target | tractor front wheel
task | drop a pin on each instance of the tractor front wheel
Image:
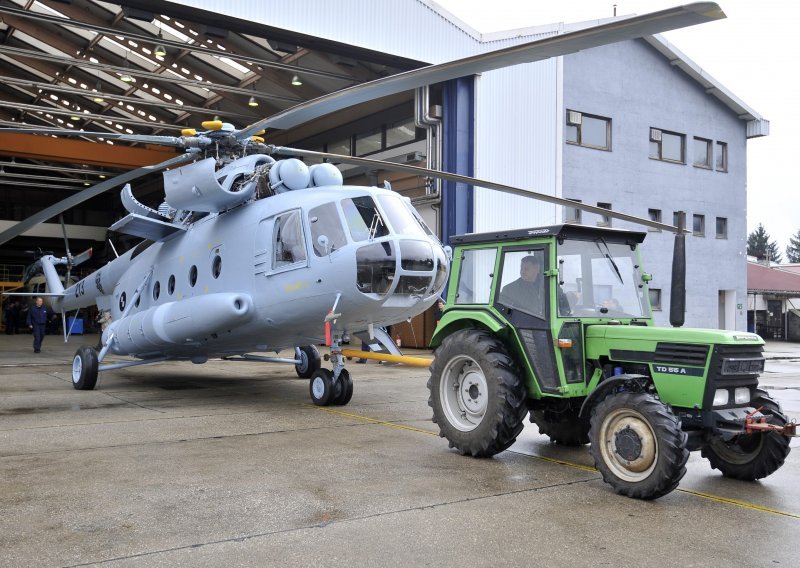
(638, 445)
(751, 456)
(476, 393)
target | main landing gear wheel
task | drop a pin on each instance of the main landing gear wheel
(84, 369)
(477, 396)
(309, 361)
(321, 387)
(751, 456)
(638, 445)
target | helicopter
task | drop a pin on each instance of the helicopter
(251, 254)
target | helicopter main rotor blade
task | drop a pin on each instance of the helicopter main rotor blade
(146, 139)
(425, 172)
(96, 189)
(629, 28)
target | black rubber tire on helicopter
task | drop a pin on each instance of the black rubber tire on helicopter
(751, 456)
(476, 393)
(321, 387)
(565, 428)
(638, 445)
(343, 389)
(84, 368)
(311, 361)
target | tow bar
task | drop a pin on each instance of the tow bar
(753, 424)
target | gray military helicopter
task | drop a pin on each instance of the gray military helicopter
(251, 254)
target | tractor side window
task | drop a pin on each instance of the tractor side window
(327, 233)
(363, 218)
(475, 276)
(522, 285)
(287, 240)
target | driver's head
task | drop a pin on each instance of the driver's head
(530, 268)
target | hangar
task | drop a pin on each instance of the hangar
(635, 126)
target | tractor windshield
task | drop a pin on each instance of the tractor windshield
(599, 278)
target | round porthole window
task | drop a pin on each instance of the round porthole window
(171, 285)
(193, 276)
(156, 290)
(216, 266)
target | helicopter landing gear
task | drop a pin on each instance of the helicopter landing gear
(84, 369)
(310, 362)
(332, 387)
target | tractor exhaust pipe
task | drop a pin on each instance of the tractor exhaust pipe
(677, 302)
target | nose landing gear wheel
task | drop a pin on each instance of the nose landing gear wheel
(321, 387)
(343, 389)
(84, 369)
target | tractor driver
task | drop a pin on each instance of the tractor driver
(527, 291)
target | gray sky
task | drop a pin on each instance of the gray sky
(751, 52)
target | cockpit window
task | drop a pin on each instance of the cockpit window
(287, 240)
(327, 233)
(363, 219)
(400, 218)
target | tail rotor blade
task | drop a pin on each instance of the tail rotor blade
(66, 245)
(86, 194)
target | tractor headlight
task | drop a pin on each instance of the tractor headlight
(721, 397)
(741, 395)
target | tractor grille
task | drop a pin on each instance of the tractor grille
(733, 366)
(681, 354)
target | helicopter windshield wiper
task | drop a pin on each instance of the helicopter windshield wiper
(607, 254)
(373, 226)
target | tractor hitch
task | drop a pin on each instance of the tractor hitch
(759, 424)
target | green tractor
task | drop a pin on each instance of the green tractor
(555, 322)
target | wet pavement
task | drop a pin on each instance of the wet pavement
(229, 464)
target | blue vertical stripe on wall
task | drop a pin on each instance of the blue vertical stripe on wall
(458, 155)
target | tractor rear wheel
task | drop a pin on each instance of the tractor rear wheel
(751, 456)
(638, 445)
(476, 393)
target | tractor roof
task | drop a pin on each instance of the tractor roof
(563, 231)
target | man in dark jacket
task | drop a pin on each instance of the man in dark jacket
(37, 321)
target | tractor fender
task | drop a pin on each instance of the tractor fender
(619, 383)
(456, 319)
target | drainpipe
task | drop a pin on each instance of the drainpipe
(433, 124)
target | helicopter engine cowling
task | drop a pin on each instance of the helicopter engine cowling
(195, 188)
(187, 322)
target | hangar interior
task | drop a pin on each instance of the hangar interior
(121, 67)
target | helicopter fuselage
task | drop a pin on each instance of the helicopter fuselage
(263, 276)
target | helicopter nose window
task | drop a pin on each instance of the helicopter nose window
(363, 219)
(287, 241)
(325, 221)
(375, 268)
(416, 255)
(400, 218)
(441, 268)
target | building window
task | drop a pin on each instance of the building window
(722, 157)
(698, 225)
(667, 146)
(369, 142)
(722, 227)
(341, 147)
(605, 220)
(403, 132)
(572, 214)
(701, 153)
(655, 215)
(588, 130)
(655, 298)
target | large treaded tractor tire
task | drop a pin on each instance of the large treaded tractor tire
(476, 393)
(562, 427)
(638, 445)
(751, 456)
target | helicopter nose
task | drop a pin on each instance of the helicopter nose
(401, 268)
